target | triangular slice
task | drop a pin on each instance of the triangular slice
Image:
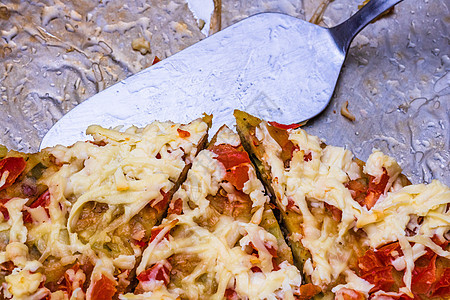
(220, 239)
(84, 236)
(356, 231)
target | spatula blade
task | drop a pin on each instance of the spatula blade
(271, 65)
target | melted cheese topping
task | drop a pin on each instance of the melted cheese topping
(222, 248)
(123, 171)
(125, 174)
(310, 184)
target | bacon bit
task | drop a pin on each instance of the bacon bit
(275, 264)
(7, 267)
(346, 113)
(438, 242)
(98, 143)
(307, 291)
(291, 206)
(158, 156)
(281, 136)
(141, 244)
(230, 294)
(103, 289)
(3, 209)
(43, 201)
(14, 166)
(349, 294)
(271, 250)
(175, 207)
(256, 269)
(123, 282)
(156, 60)
(183, 133)
(285, 126)
(158, 272)
(307, 157)
(67, 282)
(336, 213)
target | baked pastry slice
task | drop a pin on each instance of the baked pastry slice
(220, 239)
(83, 236)
(357, 230)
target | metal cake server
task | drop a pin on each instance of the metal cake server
(272, 65)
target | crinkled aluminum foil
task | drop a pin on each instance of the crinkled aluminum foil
(55, 54)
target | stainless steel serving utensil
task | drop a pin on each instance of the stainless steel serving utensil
(275, 66)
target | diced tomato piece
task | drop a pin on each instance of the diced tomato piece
(369, 262)
(381, 185)
(424, 277)
(237, 176)
(234, 162)
(381, 277)
(230, 156)
(14, 166)
(389, 252)
(159, 271)
(183, 133)
(161, 205)
(231, 294)
(103, 289)
(43, 201)
(349, 294)
(156, 60)
(376, 266)
(176, 207)
(307, 291)
(442, 287)
(376, 189)
(156, 231)
(358, 189)
(285, 126)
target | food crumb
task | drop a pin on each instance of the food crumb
(142, 45)
(346, 113)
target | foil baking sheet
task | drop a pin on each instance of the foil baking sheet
(396, 79)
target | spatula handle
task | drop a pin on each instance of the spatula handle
(346, 31)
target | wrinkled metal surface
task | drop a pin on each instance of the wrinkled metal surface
(254, 65)
(55, 54)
